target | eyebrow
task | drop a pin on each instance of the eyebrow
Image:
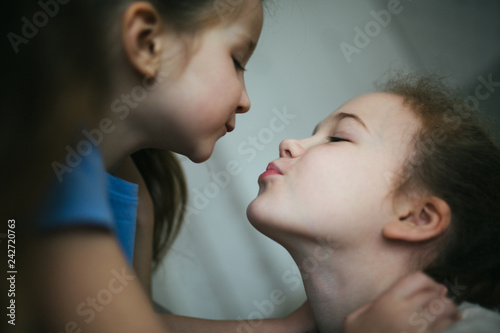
(250, 43)
(317, 128)
(343, 115)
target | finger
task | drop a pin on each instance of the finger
(359, 311)
(435, 309)
(427, 306)
(449, 311)
(441, 301)
(441, 325)
(413, 284)
(426, 302)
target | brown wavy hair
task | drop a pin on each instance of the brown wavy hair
(456, 160)
(165, 181)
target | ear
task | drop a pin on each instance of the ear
(419, 221)
(141, 33)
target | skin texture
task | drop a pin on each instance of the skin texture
(192, 98)
(414, 295)
(190, 105)
(331, 206)
(354, 169)
(197, 88)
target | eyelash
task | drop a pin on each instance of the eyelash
(238, 65)
(336, 139)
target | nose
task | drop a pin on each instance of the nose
(291, 148)
(244, 104)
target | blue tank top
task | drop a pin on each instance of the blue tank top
(88, 196)
(123, 199)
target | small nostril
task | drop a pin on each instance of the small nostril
(286, 148)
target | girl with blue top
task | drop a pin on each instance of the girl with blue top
(176, 71)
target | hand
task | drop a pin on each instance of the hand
(301, 320)
(415, 304)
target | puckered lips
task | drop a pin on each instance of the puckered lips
(228, 129)
(271, 170)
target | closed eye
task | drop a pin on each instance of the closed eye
(238, 65)
(336, 139)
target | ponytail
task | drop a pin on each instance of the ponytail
(165, 181)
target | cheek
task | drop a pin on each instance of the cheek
(326, 174)
(216, 99)
(226, 92)
(223, 81)
(340, 186)
(337, 194)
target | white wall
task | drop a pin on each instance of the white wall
(220, 267)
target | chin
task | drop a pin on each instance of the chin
(259, 219)
(267, 225)
(275, 223)
(200, 155)
(198, 159)
(252, 214)
(256, 215)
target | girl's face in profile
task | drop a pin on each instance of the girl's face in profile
(198, 105)
(337, 183)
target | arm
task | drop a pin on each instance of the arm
(143, 248)
(84, 284)
(300, 321)
(414, 304)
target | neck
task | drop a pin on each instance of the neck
(118, 145)
(121, 136)
(338, 281)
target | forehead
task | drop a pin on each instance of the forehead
(244, 19)
(377, 109)
(385, 115)
(248, 13)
